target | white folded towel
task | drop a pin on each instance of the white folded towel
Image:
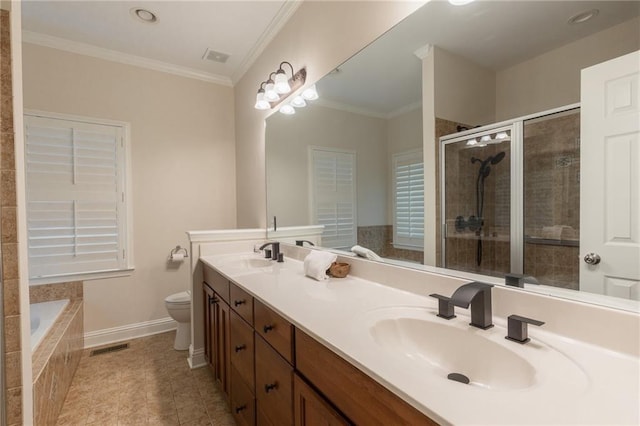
(317, 262)
(365, 252)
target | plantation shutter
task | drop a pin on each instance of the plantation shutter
(75, 197)
(408, 228)
(334, 196)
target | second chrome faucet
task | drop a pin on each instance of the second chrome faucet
(476, 294)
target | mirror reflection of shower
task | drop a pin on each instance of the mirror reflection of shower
(483, 173)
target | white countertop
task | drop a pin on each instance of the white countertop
(574, 382)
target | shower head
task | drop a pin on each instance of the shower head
(498, 158)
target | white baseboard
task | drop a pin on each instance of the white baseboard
(127, 332)
(196, 358)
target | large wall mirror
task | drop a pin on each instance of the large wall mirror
(353, 160)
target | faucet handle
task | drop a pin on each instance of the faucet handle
(445, 307)
(517, 328)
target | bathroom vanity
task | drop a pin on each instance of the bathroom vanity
(286, 349)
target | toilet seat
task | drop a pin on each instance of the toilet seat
(182, 298)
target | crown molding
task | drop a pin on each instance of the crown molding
(285, 12)
(123, 58)
(367, 112)
(405, 109)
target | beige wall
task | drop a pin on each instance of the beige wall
(319, 36)
(553, 79)
(288, 139)
(182, 138)
(465, 92)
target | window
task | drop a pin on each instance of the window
(333, 195)
(76, 203)
(408, 184)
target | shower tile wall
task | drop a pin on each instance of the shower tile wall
(8, 235)
(552, 199)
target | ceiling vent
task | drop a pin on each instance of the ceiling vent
(212, 55)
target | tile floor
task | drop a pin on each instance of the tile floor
(147, 384)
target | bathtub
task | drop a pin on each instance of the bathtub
(43, 316)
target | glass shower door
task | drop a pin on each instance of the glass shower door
(477, 202)
(551, 150)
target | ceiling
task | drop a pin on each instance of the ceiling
(177, 41)
(385, 77)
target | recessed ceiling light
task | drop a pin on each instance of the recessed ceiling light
(144, 15)
(583, 16)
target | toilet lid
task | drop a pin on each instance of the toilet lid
(179, 298)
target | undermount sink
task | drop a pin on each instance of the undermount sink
(248, 263)
(453, 350)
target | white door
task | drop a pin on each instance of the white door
(609, 178)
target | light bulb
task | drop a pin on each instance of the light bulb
(310, 93)
(287, 109)
(298, 102)
(485, 138)
(472, 142)
(270, 93)
(282, 82)
(261, 102)
(502, 135)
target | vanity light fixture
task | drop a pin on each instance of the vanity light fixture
(261, 102)
(310, 93)
(287, 109)
(472, 142)
(279, 86)
(298, 102)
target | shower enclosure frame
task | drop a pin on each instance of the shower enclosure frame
(516, 213)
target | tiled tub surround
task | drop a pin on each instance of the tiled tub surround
(8, 234)
(56, 358)
(55, 362)
(602, 343)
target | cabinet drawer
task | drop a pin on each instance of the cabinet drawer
(241, 302)
(242, 349)
(274, 387)
(243, 402)
(274, 329)
(217, 282)
(363, 400)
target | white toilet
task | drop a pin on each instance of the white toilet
(179, 308)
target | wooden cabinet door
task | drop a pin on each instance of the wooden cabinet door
(208, 298)
(274, 386)
(311, 409)
(222, 356)
(243, 403)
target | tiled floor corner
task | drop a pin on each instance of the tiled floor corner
(147, 384)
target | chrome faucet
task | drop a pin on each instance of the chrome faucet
(478, 295)
(275, 249)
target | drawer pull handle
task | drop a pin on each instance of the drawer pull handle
(268, 388)
(240, 409)
(239, 302)
(240, 348)
(213, 300)
(267, 328)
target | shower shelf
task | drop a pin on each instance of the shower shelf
(551, 241)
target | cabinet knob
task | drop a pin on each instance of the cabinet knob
(240, 348)
(239, 302)
(268, 388)
(240, 409)
(267, 328)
